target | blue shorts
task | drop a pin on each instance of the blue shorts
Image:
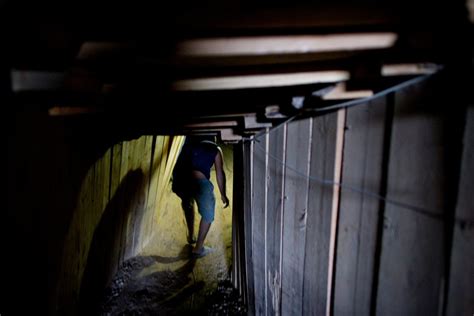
(201, 191)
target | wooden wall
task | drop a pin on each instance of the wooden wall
(316, 248)
(292, 217)
(82, 199)
(116, 214)
(460, 287)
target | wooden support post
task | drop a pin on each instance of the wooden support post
(358, 214)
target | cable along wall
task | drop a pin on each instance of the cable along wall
(352, 211)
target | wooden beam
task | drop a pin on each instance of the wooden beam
(228, 135)
(260, 81)
(214, 124)
(281, 45)
(341, 93)
(409, 69)
(251, 122)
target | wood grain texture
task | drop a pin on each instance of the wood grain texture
(323, 153)
(258, 224)
(411, 263)
(358, 214)
(295, 216)
(247, 150)
(276, 172)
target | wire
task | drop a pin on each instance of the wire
(372, 97)
(427, 212)
(268, 130)
(344, 104)
(326, 182)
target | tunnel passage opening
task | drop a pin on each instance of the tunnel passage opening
(150, 268)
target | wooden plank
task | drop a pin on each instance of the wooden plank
(252, 122)
(132, 153)
(283, 44)
(176, 144)
(461, 280)
(258, 223)
(150, 194)
(276, 171)
(85, 217)
(320, 201)
(116, 161)
(358, 214)
(140, 159)
(116, 169)
(259, 81)
(411, 262)
(238, 221)
(106, 161)
(341, 116)
(236, 259)
(247, 151)
(162, 167)
(100, 200)
(295, 216)
(157, 163)
(145, 165)
(237, 210)
(129, 163)
(212, 124)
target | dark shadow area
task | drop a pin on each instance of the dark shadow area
(109, 244)
(165, 292)
(48, 160)
(184, 254)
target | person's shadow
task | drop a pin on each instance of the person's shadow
(164, 292)
(110, 240)
(107, 288)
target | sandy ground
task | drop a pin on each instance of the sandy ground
(163, 279)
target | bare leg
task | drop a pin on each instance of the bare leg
(203, 230)
(189, 214)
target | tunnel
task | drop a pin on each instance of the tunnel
(120, 231)
(346, 131)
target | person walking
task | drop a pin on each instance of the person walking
(191, 182)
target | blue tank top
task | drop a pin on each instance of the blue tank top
(196, 156)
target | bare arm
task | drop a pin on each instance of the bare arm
(220, 176)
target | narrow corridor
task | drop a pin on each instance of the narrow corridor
(163, 278)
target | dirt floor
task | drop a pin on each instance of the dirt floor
(163, 279)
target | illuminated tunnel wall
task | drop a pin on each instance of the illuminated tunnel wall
(81, 201)
(115, 215)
